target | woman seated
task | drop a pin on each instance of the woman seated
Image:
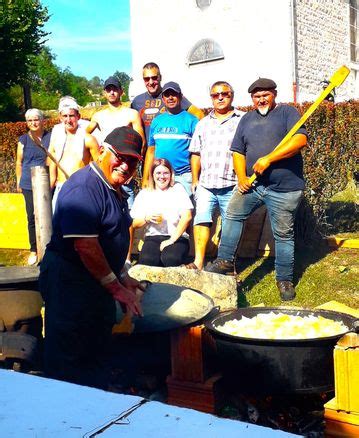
(165, 210)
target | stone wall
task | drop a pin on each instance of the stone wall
(323, 45)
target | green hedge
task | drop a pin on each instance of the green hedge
(331, 158)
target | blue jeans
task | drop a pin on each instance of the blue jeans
(186, 180)
(281, 208)
(207, 200)
(130, 190)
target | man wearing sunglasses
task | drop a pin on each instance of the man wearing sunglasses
(279, 181)
(213, 177)
(170, 136)
(82, 275)
(150, 103)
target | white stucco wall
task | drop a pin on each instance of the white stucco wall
(256, 37)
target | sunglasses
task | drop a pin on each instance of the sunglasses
(223, 94)
(148, 78)
(128, 159)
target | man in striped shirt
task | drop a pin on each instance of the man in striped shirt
(213, 177)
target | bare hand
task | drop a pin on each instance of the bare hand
(166, 243)
(154, 218)
(194, 187)
(125, 296)
(261, 165)
(244, 185)
(131, 283)
(18, 189)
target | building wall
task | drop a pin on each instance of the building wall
(164, 31)
(257, 38)
(322, 46)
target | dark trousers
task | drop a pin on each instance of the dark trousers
(172, 255)
(29, 203)
(79, 314)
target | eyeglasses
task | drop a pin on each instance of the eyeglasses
(223, 94)
(128, 159)
(165, 173)
(148, 78)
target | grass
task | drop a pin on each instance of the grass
(321, 275)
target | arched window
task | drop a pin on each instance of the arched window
(205, 51)
(203, 3)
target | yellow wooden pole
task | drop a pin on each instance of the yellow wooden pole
(335, 81)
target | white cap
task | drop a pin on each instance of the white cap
(68, 102)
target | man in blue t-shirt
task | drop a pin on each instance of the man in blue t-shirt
(170, 137)
(279, 184)
(82, 275)
(150, 103)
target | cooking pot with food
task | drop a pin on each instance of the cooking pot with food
(259, 364)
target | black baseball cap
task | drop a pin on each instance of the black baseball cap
(125, 141)
(172, 86)
(262, 84)
(112, 80)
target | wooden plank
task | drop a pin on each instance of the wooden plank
(342, 242)
(252, 233)
(13, 222)
(266, 246)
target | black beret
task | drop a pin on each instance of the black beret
(262, 84)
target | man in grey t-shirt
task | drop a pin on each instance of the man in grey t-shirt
(150, 104)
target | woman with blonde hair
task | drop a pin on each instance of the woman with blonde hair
(165, 210)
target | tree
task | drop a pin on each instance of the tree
(124, 79)
(21, 37)
(96, 85)
(45, 75)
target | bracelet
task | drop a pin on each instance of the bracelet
(108, 278)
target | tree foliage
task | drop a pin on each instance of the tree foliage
(21, 37)
(124, 79)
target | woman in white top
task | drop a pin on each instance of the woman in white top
(165, 210)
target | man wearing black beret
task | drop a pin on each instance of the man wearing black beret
(279, 183)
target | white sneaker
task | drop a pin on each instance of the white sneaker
(32, 260)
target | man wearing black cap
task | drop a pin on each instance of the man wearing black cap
(116, 114)
(170, 137)
(279, 183)
(82, 271)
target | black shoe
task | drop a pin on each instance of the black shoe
(220, 266)
(286, 289)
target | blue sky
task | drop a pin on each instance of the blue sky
(92, 37)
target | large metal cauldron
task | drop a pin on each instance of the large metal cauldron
(261, 366)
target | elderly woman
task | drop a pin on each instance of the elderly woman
(30, 155)
(165, 210)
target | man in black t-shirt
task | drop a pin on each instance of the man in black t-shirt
(279, 183)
